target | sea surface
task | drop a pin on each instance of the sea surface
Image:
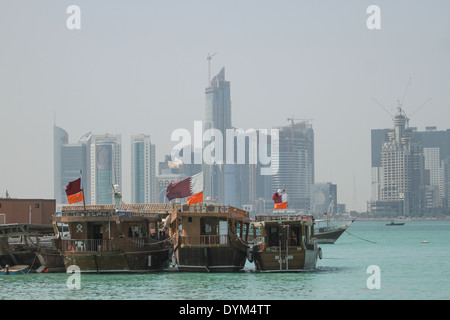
(405, 268)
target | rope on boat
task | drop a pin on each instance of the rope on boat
(137, 242)
(360, 237)
(35, 255)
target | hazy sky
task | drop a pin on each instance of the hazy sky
(140, 67)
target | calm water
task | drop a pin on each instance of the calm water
(409, 269)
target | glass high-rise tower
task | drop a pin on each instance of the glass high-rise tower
(143, 180)
(99, 159)
(105, 166)
(220, 179)
(69, 160)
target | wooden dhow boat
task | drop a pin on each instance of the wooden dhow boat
(209, 237)
(30, 245)
(108, 238)
(328, 231)
(286, 243)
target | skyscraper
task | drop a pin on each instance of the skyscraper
(99, 159)
(220, 179)
(69, 160)
(295, 163)
(432, 153)
(105, 166)
(143, 181)
(60, 138)
(398, 181)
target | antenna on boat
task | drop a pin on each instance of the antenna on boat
(117, 196)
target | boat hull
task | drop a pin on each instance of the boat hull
(295, 259)
(19, 269)
(114, 262)
(329, 237)
(50, 260)
(210, 259)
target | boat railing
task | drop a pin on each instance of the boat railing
(91, 245)
(145, 244)
(204, 240)
(280, 217)
(98, 214)
(99, 245)
(136, 207)
(212, 209)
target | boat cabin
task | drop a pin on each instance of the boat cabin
(208, 224)
(209, 238)
(286, 243)
(104, 239)
(97, 230)
(284, 231)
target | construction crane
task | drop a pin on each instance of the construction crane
(387, 111)
(400, 109)
(400, 103)
(423, 104)
(209, 57)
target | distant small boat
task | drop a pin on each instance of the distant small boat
(329, 230)
(395, 223)
(19, 269)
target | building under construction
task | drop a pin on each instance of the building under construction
(295, 163)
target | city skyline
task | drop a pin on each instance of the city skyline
(143, 69)
(434, 147)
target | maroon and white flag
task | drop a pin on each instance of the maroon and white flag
(185, 188)
(280, 199)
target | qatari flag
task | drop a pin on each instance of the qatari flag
(277, 197)
(280, 196)
(185, 188)
(280, 199)
(74, 191)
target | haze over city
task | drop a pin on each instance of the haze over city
(142, 68)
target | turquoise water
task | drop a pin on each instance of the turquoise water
(409, 269)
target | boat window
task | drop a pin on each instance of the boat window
(294, 239)
(135, 231)
(189, 219)
(206, 226)
(97, 232)
(223, 227)
(273, 236)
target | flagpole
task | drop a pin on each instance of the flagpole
(286, 209)
(82, 189)
(284, 189)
